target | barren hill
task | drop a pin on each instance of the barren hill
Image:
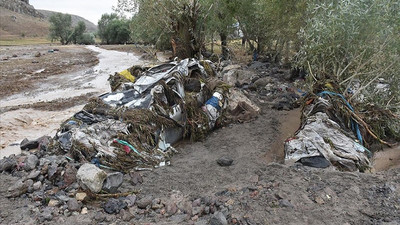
(18, 19)
(90, 27)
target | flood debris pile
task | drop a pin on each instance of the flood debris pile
(270, 83)
(148, 111)
(333, 134)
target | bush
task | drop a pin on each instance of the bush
(355, 42)
(87, 39)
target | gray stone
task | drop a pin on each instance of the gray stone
(47, 213)
(28, 145)
(285, 203)
(171, 208)
(37, 185)
(114, 206)
(30, 162)
(90, 177)
(225, 161)
(130, 200)
(218, 219)
(20, 187)
(113, 182)
(33, 174)
(8, 164)
(144, 202)
(197, 210)
(73, 205)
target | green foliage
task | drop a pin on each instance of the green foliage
(86, 39)
(113, 30)
(60, 27)
(77, 34)
(355, 43)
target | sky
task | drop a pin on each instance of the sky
(88, 9)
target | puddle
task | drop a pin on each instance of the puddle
(32, 124)
(290, 122)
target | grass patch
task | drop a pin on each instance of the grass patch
(24, 41)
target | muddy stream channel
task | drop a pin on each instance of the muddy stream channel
(30, 123)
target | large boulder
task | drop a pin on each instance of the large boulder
(90, 177)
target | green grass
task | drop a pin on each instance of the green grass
(23, 41)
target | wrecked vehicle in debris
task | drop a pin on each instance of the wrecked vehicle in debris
(148, 111)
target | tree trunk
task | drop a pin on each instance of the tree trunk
(224, 45)
(212, 42)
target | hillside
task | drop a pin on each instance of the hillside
(19, 20)
(15, 25)
(90, 27)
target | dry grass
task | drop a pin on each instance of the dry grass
(19, 25)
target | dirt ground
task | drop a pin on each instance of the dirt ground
(254, 190)
(21, 68)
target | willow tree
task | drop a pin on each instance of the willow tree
(181, 20)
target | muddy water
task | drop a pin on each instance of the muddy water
(31, 124)
(290, 122)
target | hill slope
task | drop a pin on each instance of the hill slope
(13, 25)
(90, 27)
(21, 20)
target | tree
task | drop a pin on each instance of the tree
(77, 34)
(113, 30)
(180, 20)
(60, 27)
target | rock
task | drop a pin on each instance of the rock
(20, 187)
(37, 185)
(225, 161)
(218, 219)
(47, 214)
(319, 200)
(73, 205)
(113, 182)
(53, 203)
(114, 206)
(99, 217)
(130, 200)
(136, 178)
(28, 145)
(33, 174)
(8, 164)
(43, 142)
(69, 174)
(52, 170)
(285, 203)
(30, 162)
(126, 215)
(197, 210)
(90, 177)
(80, 196)
(171, 208)
(144, 202)
(196, 202)
(84, 211)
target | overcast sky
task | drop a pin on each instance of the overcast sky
(88, 9)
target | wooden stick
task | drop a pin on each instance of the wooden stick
(365, 125)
